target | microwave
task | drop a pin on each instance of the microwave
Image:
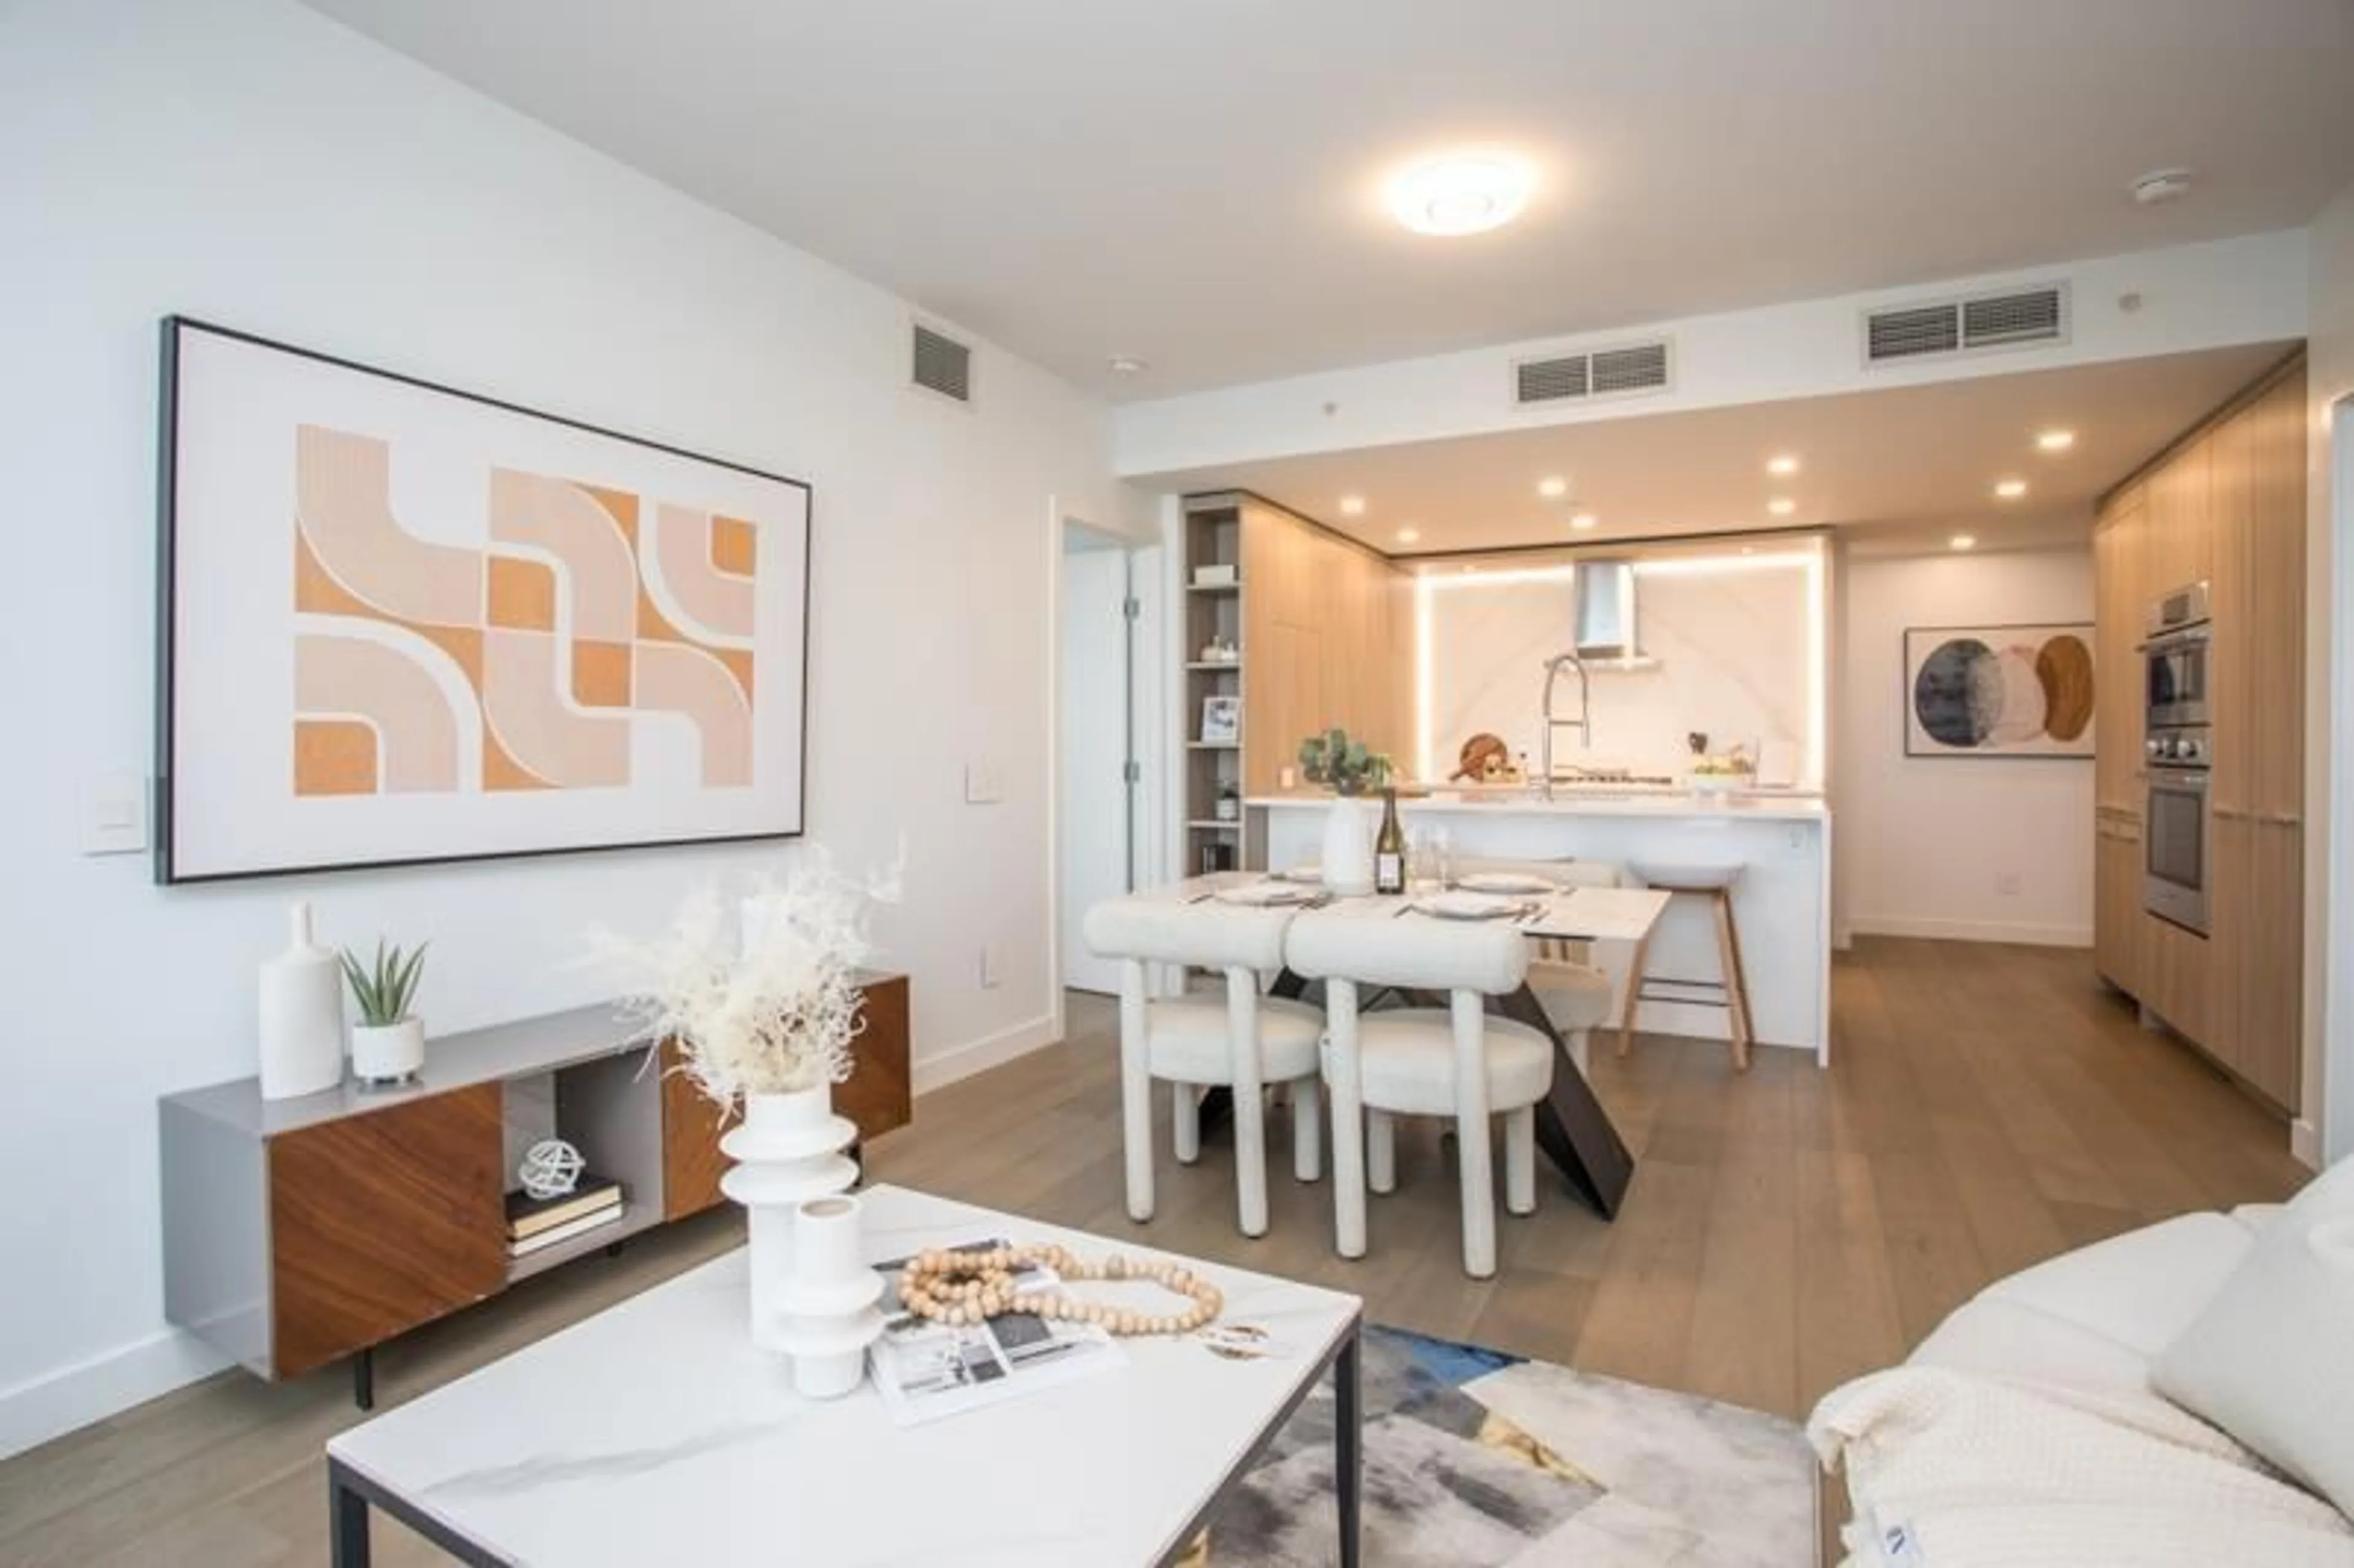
(2175, 659)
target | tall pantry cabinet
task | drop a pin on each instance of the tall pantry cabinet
(2225, 506)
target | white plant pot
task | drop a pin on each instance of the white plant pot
(788, 1150)
(1349, 828)
(388, 1053)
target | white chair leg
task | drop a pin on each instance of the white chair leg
(1136, 1090)
(1307, 1130)
(1187, 1110)
(1474, 1154)
(1380, 1151)
(1250, 1101)
(1343, 1076)
(1521, 1158)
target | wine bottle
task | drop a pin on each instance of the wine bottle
(1389, 848)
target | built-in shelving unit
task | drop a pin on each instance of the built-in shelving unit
(1213, 614)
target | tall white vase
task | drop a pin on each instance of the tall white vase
(301, 1015)
(829, 1311)
(1349, 829)
(788, 1150)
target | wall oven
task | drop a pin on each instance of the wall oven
(2174, 658)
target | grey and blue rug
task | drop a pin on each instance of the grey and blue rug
(1476, 1458)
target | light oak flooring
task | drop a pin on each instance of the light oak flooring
(1786, 1229)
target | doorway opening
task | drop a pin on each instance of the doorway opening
(1098, 768)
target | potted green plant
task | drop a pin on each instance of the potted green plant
(1349, 768)
(1342, 765)
(388, 1042)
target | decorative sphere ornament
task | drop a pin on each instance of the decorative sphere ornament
(550, 1169)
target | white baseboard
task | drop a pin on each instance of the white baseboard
(2305, 1143)
(980, 1055)
(56, 1403)
(2023, 933)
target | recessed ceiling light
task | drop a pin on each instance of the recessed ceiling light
(1128, 364)
(1583, 521)
(1408, 535)
(1552, 487)
(1352, 505)
(1781, 506)
(1469, 194)
(1784, 465)
(1964, 541)
(2010, 489)
(1748, 549)
(2161, 186)
(2055, 440)
(1470, 568)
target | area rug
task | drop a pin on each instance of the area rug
(1479, 1459)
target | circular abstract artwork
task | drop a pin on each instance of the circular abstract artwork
(1957, 695)
(1971, 695)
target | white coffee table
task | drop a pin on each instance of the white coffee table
(653, 1432)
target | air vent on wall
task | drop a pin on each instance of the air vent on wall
(1603, 373)
(942, 365)
(2010, 319)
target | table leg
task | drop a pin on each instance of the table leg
(347, 1523)
(1349, 1444)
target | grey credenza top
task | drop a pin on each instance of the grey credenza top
(500, 1051)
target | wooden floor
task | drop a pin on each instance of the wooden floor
(1786, 1229)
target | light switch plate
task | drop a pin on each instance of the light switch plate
(982, 784)
(114, 813)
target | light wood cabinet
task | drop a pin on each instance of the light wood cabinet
(2225, 506)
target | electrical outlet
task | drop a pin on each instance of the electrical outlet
(2006, 883)
(983, 786)
(115, 814)
(990, 978)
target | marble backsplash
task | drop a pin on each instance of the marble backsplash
(1733, 652)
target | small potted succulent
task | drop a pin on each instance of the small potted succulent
(388, 1042)
(1349, 768)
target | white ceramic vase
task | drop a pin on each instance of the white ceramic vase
(388, 1053)
(301, 1015)
(788, 1150)
(829, 1306)
(1348, 827)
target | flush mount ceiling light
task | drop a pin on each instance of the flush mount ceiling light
(2010, 489)
(1408, 535)
(1127, 365)
(1552, 487)
(1963, 541)
(1583, 521)
(2055, 440)
(2161, 186)
(1463, 194)
(1783, 466)
(1781, 506)
(1352, 506)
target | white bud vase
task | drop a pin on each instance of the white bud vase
(788, 1150)
(830, 1311)
(1348, 826)
(301, 1015)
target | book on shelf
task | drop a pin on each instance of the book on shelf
(527, 1215)
(594, 1219)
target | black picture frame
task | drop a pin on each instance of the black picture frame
(165, 870)
(2080, 632)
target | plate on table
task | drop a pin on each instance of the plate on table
(1506, 882)
(1308, 875)
(1462, 906)
(1266, 895)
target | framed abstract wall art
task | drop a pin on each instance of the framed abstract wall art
(402, 623)
(1998, 691)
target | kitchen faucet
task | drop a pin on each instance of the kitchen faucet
(1584, 721)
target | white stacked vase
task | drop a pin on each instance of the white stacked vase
(831, 1314)
(788, 1150)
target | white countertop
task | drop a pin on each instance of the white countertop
(1585, 801)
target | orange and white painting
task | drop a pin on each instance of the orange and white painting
(409, 624)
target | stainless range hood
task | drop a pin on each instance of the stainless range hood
(1604, 591)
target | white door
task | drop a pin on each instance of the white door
(1093, 798)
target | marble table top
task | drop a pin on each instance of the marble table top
(653, 1432)
(1576, 914)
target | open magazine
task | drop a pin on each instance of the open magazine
(928, 1370)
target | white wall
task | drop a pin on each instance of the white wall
(251, 163)
(1922, 840)
(2329, 688)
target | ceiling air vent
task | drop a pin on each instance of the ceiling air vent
(2021, 316)
(1604, 373)
(942, 365)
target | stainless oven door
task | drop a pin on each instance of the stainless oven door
(2175, 669)
(2174, 834)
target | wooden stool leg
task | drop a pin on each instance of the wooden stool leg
(1635, 973)
(1736, 995)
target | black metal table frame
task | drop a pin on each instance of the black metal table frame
(350, 1494)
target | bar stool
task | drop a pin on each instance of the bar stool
(1715, 884)
(1574, 991)
(1454, 1061)
(1241, 1041)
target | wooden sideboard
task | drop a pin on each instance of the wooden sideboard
(300, 1232)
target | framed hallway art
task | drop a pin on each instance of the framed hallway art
(405, 624)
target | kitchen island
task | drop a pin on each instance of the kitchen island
(1782, 841)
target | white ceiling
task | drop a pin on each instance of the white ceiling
(1906, 465)
(1197, 182)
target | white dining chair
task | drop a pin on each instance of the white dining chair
(1455, 1062)
(1239, 1039)
(1575, 992)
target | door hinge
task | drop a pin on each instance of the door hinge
(1131, 607)
(1131, 772)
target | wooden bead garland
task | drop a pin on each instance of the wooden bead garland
(960, 1287)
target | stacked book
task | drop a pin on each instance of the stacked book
(536, 1223)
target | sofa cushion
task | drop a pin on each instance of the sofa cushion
(2271, 1359)
(2140, 1289)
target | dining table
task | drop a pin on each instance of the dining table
(1574, 1131)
